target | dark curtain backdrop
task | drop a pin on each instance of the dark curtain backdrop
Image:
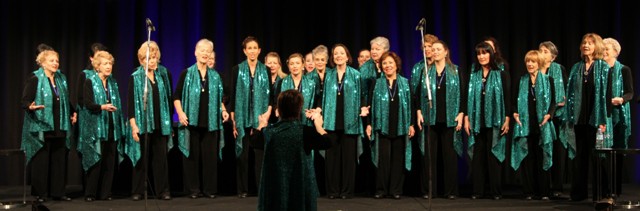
(70, 27)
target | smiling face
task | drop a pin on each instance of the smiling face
(211, 62)
(587, 47)
(376, 51)
(483, 58)
(309, 63)
(202, 53)
(50, 62)
(105, 66)
(320, 62)
(363, 57)
(439, 53)
(252, 51)
(389, 66)
(340, 56)
(609, 52)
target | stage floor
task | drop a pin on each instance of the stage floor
(512, 200)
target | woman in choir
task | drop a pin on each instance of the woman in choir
(417, 72)
(308, 63)
(198, 103)
(363, 56)
(444, 121)
(47, 126)
(502, 62)
(272, 61)
(622, 93)
(556, 71)
(211, 62)
(390, 127)
(371, 69)
(249, 101)
(532, 147)
(320, 59)
(150, 122)
(104, 131)
(487, 121)
(305, 84)
(587, 109)
(341, 108)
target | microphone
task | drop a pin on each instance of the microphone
(150, 25)
(421, 24)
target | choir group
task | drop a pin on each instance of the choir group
(549, 114)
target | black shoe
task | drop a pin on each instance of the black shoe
(136, 197)
(425, 196)
(474, 197)
(89, 199)
(377, 196)
(545, 198)
(557, 194)
(332, 197)
(166, 196)
(497, 197)
(528, 198)
(397, 196)
(344, 197)
(242, 195)
(451, 197)
(211, 196)
(61, 198)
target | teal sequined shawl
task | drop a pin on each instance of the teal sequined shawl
(494, 110)
(620, 114)
(555, 72)
(380, 113)
(95, 125)
(574, 102)
(368, 72)
(519, 149)
(260, 98)
(452, 102)
(39, 121)
(190, 102)
(352, 89)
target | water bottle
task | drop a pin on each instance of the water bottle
(599, 139)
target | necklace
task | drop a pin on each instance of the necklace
(441, 78)
(392, 90)
(55, 89)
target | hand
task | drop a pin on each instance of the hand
(616, 101)
(459, 121)
(267, 114)
(225, 116)
(235, 130)
(182, 117)
(368, 130)
(134, 133)
(516, 116)
(411, 132)
(467, 125)
(603, 127)
(563, 102)
(263, 121)
(420, 119)
(317, 120)
(364, 111)
(34, 107)
(74, 118)
(505, 128)
(545, 119)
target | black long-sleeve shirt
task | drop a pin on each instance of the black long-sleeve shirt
(506, 92)
(29, 96)
(203, 113)
(394, 105)
(312, 139)
(441, 96)
(627, 80)
(92, 106)
(156, 99)
(588, 97)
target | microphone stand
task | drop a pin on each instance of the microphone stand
(146, 116)
(420, 27)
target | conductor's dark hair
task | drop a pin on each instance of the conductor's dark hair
(95, 47)
(43, 47)
(290, 104)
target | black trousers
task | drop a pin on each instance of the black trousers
(559, 161)
(391, 160)
(250, 146)
(585, 143)
(340, 165)
(201, 167)
(535, 180)
(158, 165)
(48, 169)
(444, 161)
(100, 176)
(485, 165)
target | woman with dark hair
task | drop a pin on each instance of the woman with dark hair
(249, 101)
(444, 121)
(46, 130)
(502, 62)
(103, 132)
(487, 120)
(288, 178)
(588, 107)
(304, 83)
(390, 127)
(341, 106)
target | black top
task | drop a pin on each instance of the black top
(588, 96)
(90, 103)
(232, 89)
(627, 80)
(156, 99)
(394, 105)
(506, 92)
(534, 124)
(203, 113)
(312, 139)
(29, 96)
(77, 99)
(441, 96)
